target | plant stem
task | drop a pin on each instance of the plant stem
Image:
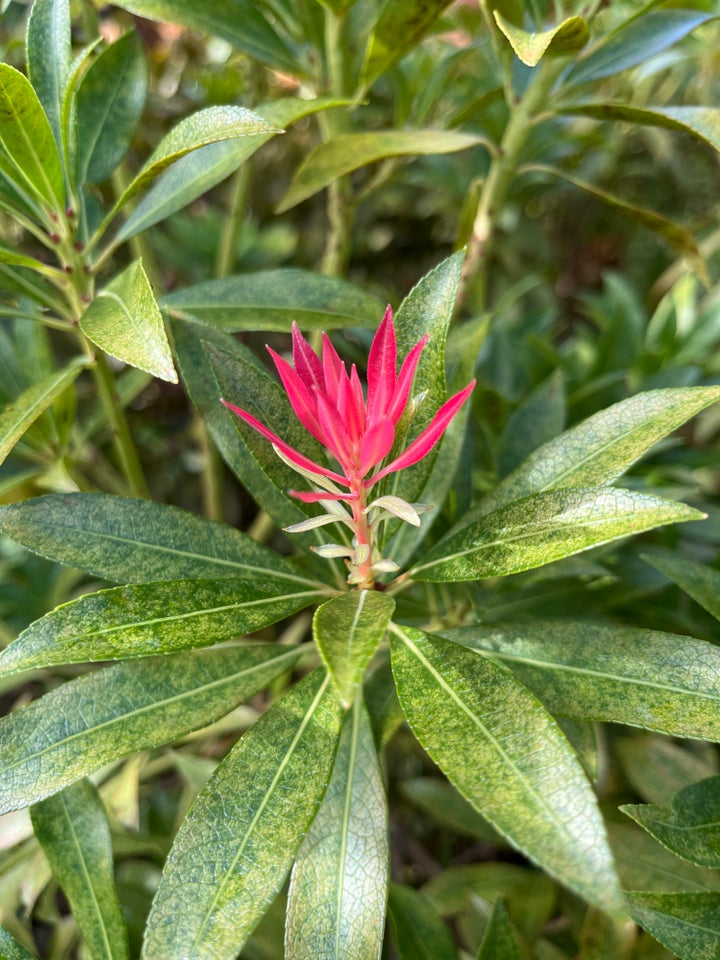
(240, 188)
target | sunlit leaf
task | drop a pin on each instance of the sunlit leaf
(702, 123)
(686, 923)
(568, 37)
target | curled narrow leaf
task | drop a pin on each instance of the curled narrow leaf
(568, 37)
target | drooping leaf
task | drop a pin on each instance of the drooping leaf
(544, 527)
(506, 754)
(81, 726)
(702, 123)
(152, 618)
(338, 890)
(272, 299)
(17, 418)
(343, 154)
(73, 831)
(125, 321)
(48, 56)
(137, 541)
(568, 37)
(700, 582)
(10, 949)
(418, 931)
(399, 27)
(686, 923)
(642, 678)
(347, 631)
(236, 846)
(110, 102)
(499, 942)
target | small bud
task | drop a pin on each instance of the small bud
(69, 212)
(54, 238)
(67, 268)
(85, 298)
(53, 216)
(78, 246)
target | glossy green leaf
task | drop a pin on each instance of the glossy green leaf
(48, 56)
(272, 299)
(73, 831)
(110, 101)
(418, 931)
(635, 43)
(27, 139)
(334, 158)
(398, 30)
(643, 864)
(506, 754)
(686, 923)
(338, 890)
(81, 726)
(700, 582)
(642, 678)
(568, 37)
(236, 846)
(545, 527)
(137, 541)
(702, 123)
(151, 618)
(347, 631)
(691, 828)
(499, 942)
(199, 171)
(24, 411)
(125, 321)
(10, 949)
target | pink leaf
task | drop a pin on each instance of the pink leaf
(404, 381)
(381, 368)
(306, 361)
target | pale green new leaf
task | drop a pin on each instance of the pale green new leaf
(544, 527)
(509, 758)
(338, 890)
(10, 949)
(73, 831)
(642, 678)
(700, 582)
(137, 541)
(81, 726)
(343, 154)
(686, 923)
(418, 931)
(125, 321)
(499, 942)
(347, 631)
(399, 28)
(702, 123)
(151, 618)
(48, 56)
(691, 828)
(24, 411)
(568, 37)
(234, 849)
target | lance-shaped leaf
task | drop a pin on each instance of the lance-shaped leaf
(507, 755)
(568, 37)
(642, 678)
(137, 541)
(10, 949)
(23, 412)
(686, 923)
(643, 864)
(499, 941)
(399, 28)
(83, 725)
(125, 320)
(338, 890)
(418, 931)
(272, 299)
(110, 102)
(347, 631)
(702, 123)
(700, 582)
(48, 56)
(27, 139)
(73, 831)
(334, 158)
(151, 618)
(545, 527)
(691, 828)
(236, 846)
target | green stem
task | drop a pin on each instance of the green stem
(225, 263)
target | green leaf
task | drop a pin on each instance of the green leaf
(27, 139)
(23, 412)
(347, 630)
(506, 754)
(568, 37)
(539, 418)
(440, 800)
(700, 582)
(236, 845)
(81, 726)
(338, 890)
(499, 942)
(418, 931)
(48, 56)
(642, 678)
(272, 299)
(691, 829)
(686, 923)
(398, 30)
(10, 255)
(125, 320)
(635, 43)
(644, 864)
(137, 541)
(702, 123)
(73, 831)
(334, 158)
(110, 102)
(151, 618)
(10, 949)
(544, 527)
